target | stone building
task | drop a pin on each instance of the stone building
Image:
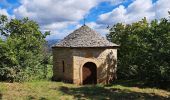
(84, 57)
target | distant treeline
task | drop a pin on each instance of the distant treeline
(144, 51)
(23, 55)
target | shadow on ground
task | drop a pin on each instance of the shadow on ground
(143, 84)
(102, 93)
(0, 96)
(35, 98)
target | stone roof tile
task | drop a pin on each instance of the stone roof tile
(84, 37)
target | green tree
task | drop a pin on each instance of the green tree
(144, 51)
(23, 47)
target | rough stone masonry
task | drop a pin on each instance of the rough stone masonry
(84, 57)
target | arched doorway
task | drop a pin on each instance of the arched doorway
(89, 73)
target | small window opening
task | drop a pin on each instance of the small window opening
(63, 66)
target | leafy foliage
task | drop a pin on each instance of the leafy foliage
(22, 53)
(144, 51)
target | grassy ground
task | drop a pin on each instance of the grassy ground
(46, 90)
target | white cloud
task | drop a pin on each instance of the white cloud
(57, 25)
(117, 2)
(55, 15)
(59, 34)
(117, 15)
(4, 12)
(58, 15)
(100, 28)
(49, 11)
(137, 10)
(161, 8)
(58, 29)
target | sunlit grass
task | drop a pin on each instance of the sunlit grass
(46, 90)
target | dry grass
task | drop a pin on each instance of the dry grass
(46, 90)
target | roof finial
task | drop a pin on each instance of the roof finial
(84, 21)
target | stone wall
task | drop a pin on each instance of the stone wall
(75, 58)
(62, 56)
(106, 67)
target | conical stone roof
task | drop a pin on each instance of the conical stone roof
(84, 37)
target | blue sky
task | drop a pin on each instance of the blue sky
(63, 16)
